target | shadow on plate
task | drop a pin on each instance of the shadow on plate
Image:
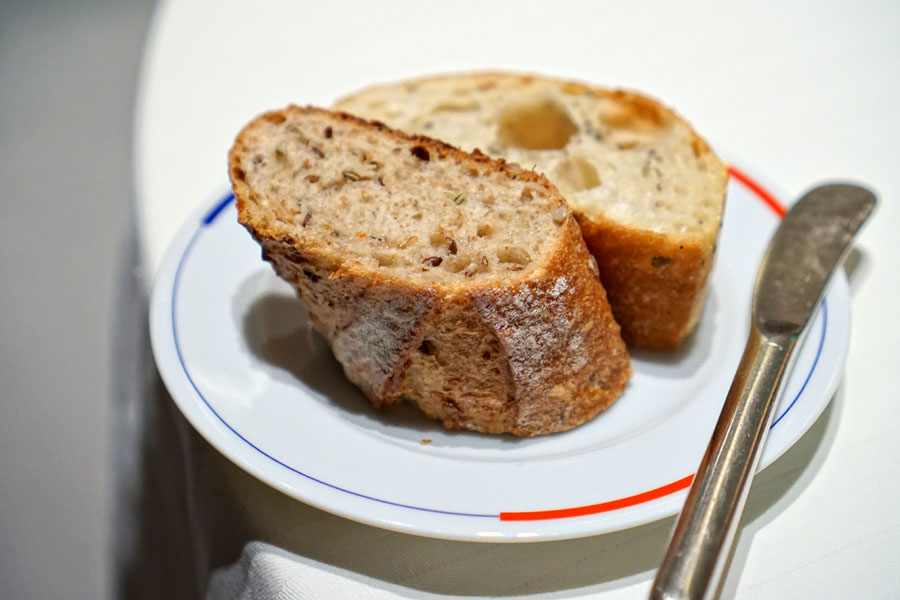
(276, 331)
(858, 267)
(278, 334)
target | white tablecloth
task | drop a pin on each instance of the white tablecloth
(803, 92)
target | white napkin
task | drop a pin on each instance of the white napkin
(265, 572)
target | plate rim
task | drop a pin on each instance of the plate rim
(164, 297)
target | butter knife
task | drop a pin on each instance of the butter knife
(810, 243)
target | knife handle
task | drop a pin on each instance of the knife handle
(706, 527)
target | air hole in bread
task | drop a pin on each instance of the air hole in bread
(541, 124)
(384, 259)
(420, 152)
(458, 263)
(437, 237)
(575, 174)
(513, 254)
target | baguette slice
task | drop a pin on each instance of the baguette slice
(454, 281)
(647, 190)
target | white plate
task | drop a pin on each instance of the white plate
(234, 350)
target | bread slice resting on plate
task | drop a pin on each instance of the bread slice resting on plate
(455, 281)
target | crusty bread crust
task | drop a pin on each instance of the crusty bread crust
(535, 352)
(656, 281)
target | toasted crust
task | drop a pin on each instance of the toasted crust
(655, 272)
(530, 352)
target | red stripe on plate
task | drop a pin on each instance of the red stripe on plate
(759, 190)
(670, 488)
(591, 509)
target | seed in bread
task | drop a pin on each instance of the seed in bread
(454, 281)
(647, 190)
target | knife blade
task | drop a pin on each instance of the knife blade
(808, 246)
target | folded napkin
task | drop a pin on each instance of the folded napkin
(265, 572)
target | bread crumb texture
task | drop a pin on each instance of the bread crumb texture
(451, 280)
(647, 189)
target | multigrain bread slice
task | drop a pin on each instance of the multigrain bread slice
(647, 191)
(452, 280)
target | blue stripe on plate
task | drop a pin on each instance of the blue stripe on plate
(208, 220)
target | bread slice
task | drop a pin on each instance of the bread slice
(646, 189)
(454, 281)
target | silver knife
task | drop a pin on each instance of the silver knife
(808, 246)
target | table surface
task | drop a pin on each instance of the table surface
(802, 92)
